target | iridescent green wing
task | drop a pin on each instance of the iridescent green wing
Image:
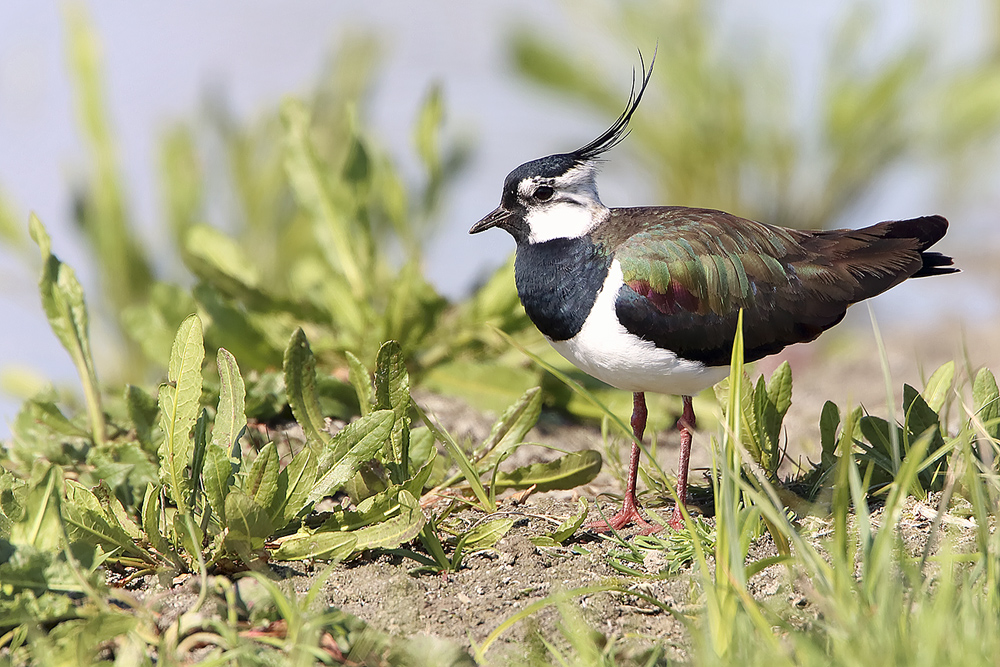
(688, 272)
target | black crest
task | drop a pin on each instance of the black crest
(615, 134)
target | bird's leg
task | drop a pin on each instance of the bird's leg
(630, 507)
(685, 425)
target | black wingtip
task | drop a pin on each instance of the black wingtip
(927, 230)
(615, 134)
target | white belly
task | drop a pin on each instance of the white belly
(605, 350)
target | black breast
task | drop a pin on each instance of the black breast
(558, 282)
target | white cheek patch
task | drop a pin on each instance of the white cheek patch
(559, 220)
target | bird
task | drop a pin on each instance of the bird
(646, 299)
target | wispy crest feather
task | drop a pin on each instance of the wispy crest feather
(615, 134)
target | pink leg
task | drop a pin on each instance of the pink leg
(685, 425)
(630, 507)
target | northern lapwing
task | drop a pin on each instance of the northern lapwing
(646, 298)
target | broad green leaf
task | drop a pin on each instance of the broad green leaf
(216, 479)
(66, 310)
(333, 546)
(27, 568)
(39, 526)
(330, 542)
(111, 505)
(362, 383)
(230, 419)
(262, 482)
(88, 521)
(247, 521)
(300, 383)
(47, 413)
(565, 529)
(920, 417)
(939, 386)
(829, 420)
(392, 383)
(986, 398)
(392, 392)
(566, 472)
(360, 440)
(298, 478)
(485, 535)
(179, 401)
(779, 388)
(404, 527)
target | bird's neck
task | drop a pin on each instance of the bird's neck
(558, 281)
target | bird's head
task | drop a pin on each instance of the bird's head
(556, 196)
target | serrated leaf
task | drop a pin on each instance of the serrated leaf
(263, 482)
(230, 419)
(300, 384)
(566, 472)
(179, 402)
(216, 479)
(361, 381)
(829, 420)
(66, 311)
(392, 392)
(247, 521)
(360, 440)
(779, 388)
(299, 480)
(87, 521)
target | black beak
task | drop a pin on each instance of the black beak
(498, 216)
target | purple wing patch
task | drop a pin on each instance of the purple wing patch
(676, 298)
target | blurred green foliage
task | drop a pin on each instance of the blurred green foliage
(723, 126)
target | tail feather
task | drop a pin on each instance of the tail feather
(927, 231)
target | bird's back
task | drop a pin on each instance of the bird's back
(688, 272)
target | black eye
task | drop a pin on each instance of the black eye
(543, 193)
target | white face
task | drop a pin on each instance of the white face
(573, 210)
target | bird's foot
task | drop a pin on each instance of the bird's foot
(676, 519)
(628, 514)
